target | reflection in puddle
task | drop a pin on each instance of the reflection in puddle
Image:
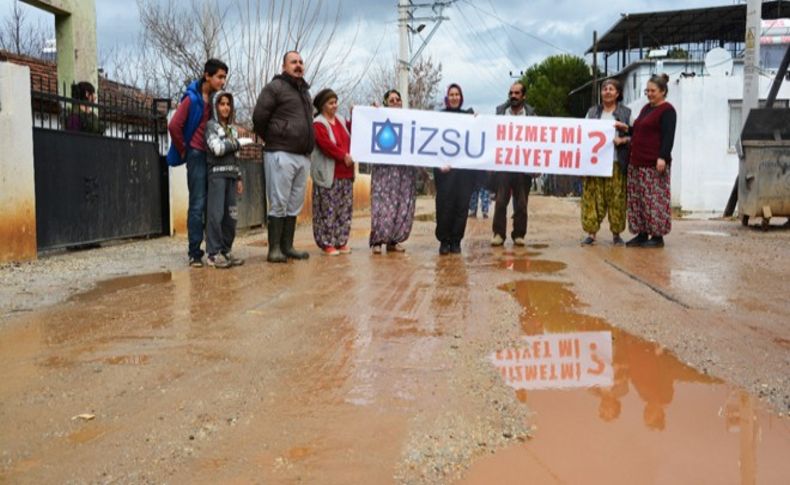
(526, 265)
(425, 217)
(124, 282)
(558, 361)
(659, 421)
(710, 233)
(127, 360)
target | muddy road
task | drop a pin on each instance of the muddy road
(378, 369)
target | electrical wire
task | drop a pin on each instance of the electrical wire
(493, 52)
(517, 28)
(476, 66)
(513, 43)
(498, 49)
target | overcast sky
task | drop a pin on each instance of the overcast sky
(478, 46)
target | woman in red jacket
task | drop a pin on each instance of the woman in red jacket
(652, 138)
(332, 171)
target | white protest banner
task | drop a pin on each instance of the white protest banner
(558, 361)
(564, 146)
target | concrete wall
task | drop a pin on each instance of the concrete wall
(75, 34)
(704, 167)
(361, 197)
(179, 200)
(17, 182)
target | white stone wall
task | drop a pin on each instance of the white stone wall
(704, 167)
(17, 181)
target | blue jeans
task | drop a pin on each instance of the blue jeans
(480, 193)
(197, 181)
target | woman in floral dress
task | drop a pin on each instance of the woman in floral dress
(393, 197)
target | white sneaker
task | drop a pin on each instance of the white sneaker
(497, 240)
(519, 241)
(218, 261)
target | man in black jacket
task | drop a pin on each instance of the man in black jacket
(283, 118)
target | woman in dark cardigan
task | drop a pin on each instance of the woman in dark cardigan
(454, 188)
(652, 138)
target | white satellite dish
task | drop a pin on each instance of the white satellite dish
(718, 62)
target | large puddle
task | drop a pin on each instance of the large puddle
(114, 285)
(656, 421)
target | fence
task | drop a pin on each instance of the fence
(99, 170)
(121, 112)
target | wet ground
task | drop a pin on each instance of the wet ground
(379, 369)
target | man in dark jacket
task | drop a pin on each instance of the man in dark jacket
(283, 117)
(512, 183)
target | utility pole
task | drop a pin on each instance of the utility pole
(403, 52)
(406, 9)
(751, 59)
(595, 69)
(751, 79)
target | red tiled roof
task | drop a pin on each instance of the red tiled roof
(44, 79)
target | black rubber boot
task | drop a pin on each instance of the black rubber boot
(275, 228)
(287, 241)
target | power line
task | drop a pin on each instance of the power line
(524, 61)
(517, 28)
(498, 50)
(494, 53)
(475, 65)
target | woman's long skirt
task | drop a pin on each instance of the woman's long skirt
(332, 213)
(393, 196)
(649, 209)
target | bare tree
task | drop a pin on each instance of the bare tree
(20, 36)
(272, 28)
(424, 79)
(177, 39)
(251, 36)
(139, 65)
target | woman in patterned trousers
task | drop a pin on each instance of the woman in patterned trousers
(607, 195)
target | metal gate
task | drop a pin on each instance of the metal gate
(91, 189)
(99, 174)
(252, 203)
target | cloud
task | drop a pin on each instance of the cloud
(479, 46)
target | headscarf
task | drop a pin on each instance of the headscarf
(447, 96)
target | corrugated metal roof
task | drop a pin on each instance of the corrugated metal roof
(676, 27)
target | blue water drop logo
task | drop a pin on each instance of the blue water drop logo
(387, 139)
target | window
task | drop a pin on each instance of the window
(736, 119)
